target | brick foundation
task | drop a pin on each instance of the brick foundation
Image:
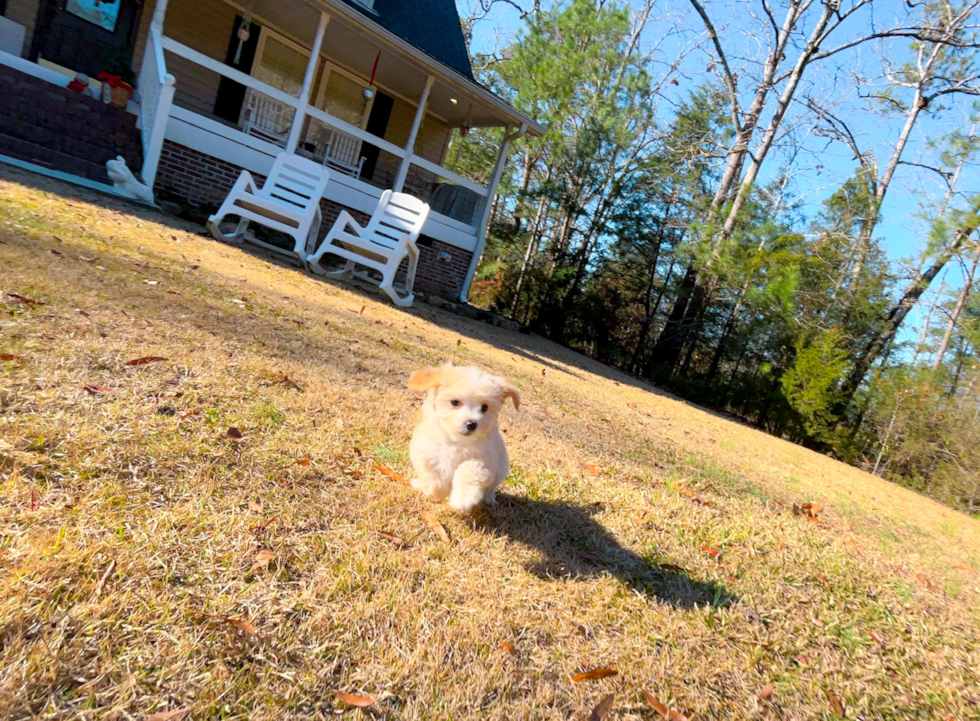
(64, 130)
(202, 180)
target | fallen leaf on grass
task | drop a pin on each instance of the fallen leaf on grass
(35, 501)
(808, 510)
(713, 552)
(593, 470)
(684, 490)
(145, 359)
(256, 507)
(877, 639)
(655, 704)
(97, 390)
(242, 624)
(928, 584)
(174, 715)
(593, 674)
(304, 462)
(433, 523)
(390, 473)
(766, 692)
(835, 702)
(397, 540)
(234, 433)
(356, 701)
(507, 647)
(673, 567)
(603, 708)
(668, 713)
(24, 299)
(263, 526)
(802, 660)
(262, 558)
(10, 357)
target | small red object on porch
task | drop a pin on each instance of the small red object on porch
(79, 84)
(119, 92)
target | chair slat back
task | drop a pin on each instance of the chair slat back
(344, 148)
(296, 182)
(396, 215)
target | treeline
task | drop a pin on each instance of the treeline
(638, 230)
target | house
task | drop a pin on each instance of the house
(374, 89)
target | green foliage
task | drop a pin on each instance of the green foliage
(614, 225)
(810, 383)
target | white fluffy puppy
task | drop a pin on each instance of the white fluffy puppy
(457, 450)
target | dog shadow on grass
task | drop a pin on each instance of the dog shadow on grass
(574, 545)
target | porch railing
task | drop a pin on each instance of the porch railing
(156, 93)
(470, 193)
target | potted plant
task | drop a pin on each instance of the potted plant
(117, 77)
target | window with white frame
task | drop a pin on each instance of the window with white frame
(342, 95)
(280, 62)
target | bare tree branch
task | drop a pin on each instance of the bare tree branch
(727, 74)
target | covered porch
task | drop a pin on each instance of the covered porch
(237, 85)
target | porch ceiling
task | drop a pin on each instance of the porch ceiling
(352, 43)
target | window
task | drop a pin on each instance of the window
(341, 95)
(280, 63)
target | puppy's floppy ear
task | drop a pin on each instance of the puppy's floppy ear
(424, 379)
(510, 391)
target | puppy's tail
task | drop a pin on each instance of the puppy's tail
(471, 482)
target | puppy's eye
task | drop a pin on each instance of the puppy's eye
(455, 403)
(484, 408)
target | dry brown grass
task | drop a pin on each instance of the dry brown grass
(132, 528)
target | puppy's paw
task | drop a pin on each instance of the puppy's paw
(464, 499)
(430, 488)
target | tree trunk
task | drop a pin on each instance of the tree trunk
(957, 311)
(668, 347)
(910, 297)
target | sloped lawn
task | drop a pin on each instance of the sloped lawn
(151, 560)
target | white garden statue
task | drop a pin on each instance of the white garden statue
(125, 183)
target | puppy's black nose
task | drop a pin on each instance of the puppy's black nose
(471, 426)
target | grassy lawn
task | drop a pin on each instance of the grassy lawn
(149, 562)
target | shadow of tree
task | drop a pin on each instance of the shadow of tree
(574, 545)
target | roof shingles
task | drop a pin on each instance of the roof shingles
(432, 26)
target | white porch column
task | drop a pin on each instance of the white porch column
(410, 145)
(156, 23)
(481, 238)
(292, 140)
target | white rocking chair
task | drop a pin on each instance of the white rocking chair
(387, 239)
(288, 202)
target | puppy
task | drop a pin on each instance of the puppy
(457, 450)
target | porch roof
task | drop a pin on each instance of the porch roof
(432, 26)
(356, 35)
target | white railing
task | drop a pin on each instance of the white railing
(41, 73)
(335, 123)
(156, 94)
(172, 46)
(345, 127)
(449, 175)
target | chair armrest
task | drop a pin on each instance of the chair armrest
(246, 182)
(345, 219)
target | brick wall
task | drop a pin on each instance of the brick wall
(202, 180)
(61, 129)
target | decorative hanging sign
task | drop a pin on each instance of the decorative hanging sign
(368, 92)
(243, 34)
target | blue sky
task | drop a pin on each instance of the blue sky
(822, 166)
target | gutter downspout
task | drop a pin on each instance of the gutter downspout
(481, 240)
